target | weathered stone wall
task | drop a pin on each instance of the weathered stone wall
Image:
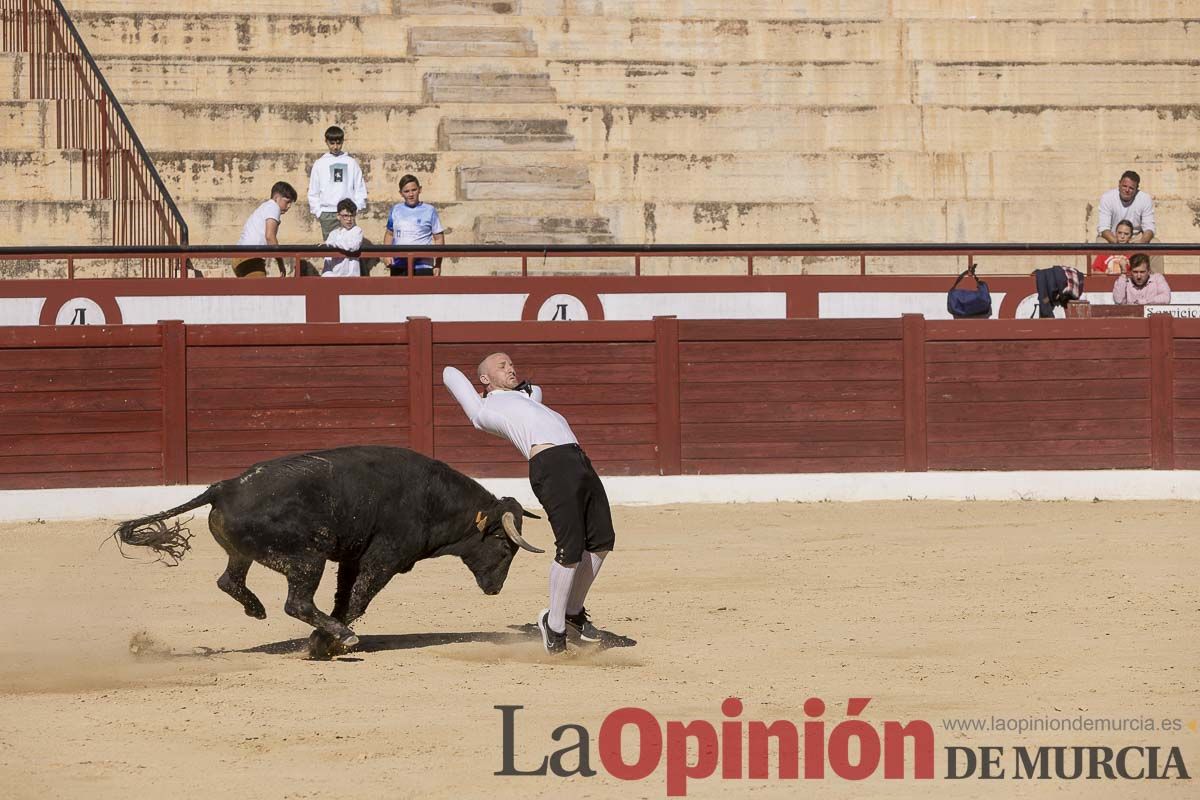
(638, 121)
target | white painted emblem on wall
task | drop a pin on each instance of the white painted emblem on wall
(562, 307)
(80, 311)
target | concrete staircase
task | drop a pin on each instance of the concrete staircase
(675, 121)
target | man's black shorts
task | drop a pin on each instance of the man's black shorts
(574, 499)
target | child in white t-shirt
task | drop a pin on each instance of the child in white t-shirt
(262, 228)
(347, 237)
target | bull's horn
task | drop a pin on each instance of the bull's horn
(510, 528)
(529, 514)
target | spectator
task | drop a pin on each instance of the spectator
(347, 237)
(1127, 202)
(414, 222)
(262, 228)
(335, 176)
(1141, 286)
(1115, 263)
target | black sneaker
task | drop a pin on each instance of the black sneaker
(553, 641)
(583, 626)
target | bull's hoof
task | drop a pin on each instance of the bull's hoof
(320, 646)
(256, 610)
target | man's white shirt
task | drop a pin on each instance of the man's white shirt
(1139, 213)
(514, 415)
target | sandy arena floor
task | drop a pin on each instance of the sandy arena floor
(934, 610)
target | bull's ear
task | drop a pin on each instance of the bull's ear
(529, 514)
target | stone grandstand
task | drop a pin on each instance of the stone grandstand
(632, 121)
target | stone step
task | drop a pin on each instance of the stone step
(633, 39)
(261, 80)
(665, 177)
(350, 8)
(1064, 85)
(28, 124)
(1028, 9)
(509, 229)
(1013, 40)
(355, 8)
(476, 7)
(1059, 219)
(488, 87)
(58, 268)
(817, 84)
(285, 36)
(326, 80)
(725, 41)
(221, 221)
(200, 175)
(892, 9)
(42, 175)
(891, 128)
(26, 223)
(14, 81)
(673, 129)
(471, 41)
(505, 134)
(261, 34)
(543, 182)
(1085, 10)
(754, 177)
(240, 79)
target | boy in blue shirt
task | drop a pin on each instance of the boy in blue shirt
(414, 222)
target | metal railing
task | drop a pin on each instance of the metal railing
(115, 165)
(527, 260)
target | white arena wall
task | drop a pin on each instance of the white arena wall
(1110, 485)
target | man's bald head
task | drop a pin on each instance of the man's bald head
(496, 371)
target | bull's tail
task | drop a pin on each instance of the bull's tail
(170, 542)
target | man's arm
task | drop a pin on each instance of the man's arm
(1148, 226)
(464, 393)
(359, 189)
(438, 238)
(314, 191)
(1119, 290)
(271, 234)
(1104, 228)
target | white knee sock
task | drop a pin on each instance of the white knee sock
(561, 579)
(589, 568)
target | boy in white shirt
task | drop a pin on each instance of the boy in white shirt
(348, 238)
(262, 229)
(334, 177)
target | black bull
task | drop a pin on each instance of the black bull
(376, 511)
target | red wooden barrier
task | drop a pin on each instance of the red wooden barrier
(168, 403)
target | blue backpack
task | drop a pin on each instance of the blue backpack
(969, 303)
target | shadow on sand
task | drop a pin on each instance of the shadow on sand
(379, 643)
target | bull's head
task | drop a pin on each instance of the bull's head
(498, 538)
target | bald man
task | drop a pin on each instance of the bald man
(562, 478)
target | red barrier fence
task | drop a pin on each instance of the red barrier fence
(168, 403)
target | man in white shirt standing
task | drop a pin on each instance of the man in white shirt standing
(335, 176)
(1127, 202)
(564, 481)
